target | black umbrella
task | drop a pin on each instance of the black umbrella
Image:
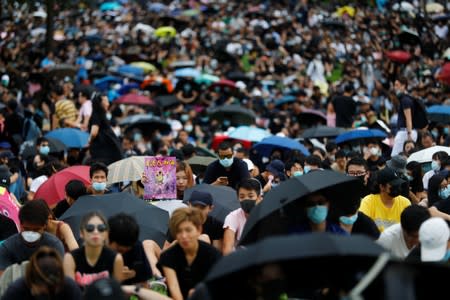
(224, 199)
(166, 101)
(199, 163)
(153, 221)
(28, 148)
(299, 263)
(408, 36)
(62, 70)
(311, 117)
(236, 114)
(204, 152)
(237, 76)
(334, 25)
(322, 131)
(283, 206)
(146, 123)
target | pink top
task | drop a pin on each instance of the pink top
(235, 221)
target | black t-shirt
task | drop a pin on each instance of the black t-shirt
(187, 87)
(365, 225)
(19, 290)
(345, 108)
(7, 228)
(405, 103)
(237, 172)
(85, 274)
(61, 208)
(212, 227)
(414, 255)
(374, 164)
(261, 180)
(189, 275)
(137, 260)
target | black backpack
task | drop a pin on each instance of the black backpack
(419, 118)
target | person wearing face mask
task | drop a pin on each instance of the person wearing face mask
(385, 206)
(316, 210)
(227, 170)
(400, 239)
(19, 247)
(373, 156)
(436, 166)
(272, 176)
(357, 167)
(98, 173)
(294, 168)
(249, 195)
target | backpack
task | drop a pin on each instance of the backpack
(31, 130)
(420, 118)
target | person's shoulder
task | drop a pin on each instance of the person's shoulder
(211, 221)
(234, 213)
(393, 230)
(207, 248)
(401, 200)
(371, 197)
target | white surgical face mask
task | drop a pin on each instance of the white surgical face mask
(31, 236)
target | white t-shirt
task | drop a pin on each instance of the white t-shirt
(235, 221)
(426, 178)
(37, 182)
(392, 239)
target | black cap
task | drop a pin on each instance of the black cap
(105, 288)
(388, 175)
(200, 198)
(4, 176)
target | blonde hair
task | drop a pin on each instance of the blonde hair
(185, 214)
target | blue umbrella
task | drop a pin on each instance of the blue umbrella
(267, 145)
(72, 138)
(285, 99)
(187, 72)
(125, 89)
(156, 7)
(358, 134)
(130, 70)
(248, 133)
(104, 82)
(110, 6)
(439, 113)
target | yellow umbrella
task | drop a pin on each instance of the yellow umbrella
(165, 31)
(434, 8)
(346, 10)
(147, 67)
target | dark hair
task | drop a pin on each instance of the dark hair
(225, 145)
(34, 212)
(290, 163)
(403, 80)
(321, 151)
(41, 139)
(330, 146)
(416, 172)
(250, 184)
(313, 160)
(358, 161)
(87, 217)
(58, 90)
(97, 166)
(441, 155)
(98, 109)
(413, 216)
(123, 229)
(434, 185)
(75, 189)
(45, 269)
(340, 154)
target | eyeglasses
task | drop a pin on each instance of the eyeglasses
(356, 174)
(92, 227)
(225, 156)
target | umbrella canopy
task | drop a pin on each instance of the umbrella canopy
(8, 208)
(248, 133)
(359, 134)
(190, 12)
(223, 85)
(165, 101)
(135, 99)
(434, 7)
(403, 6)
(53, 190)
(187, 72)
(165, 31)
(409, 36)
(200, 151)
(146, 123)
(127, 88)
(127, 169)
(147, 67)
(28, 148)
(200, 163)
(156, 7)
(62, 70)
(425, 155)
(237, 76)
(334, 25)
(182, 64)
(72, 138)
(153, 221)
(267, 145)
(126, 70)
(110, 6)
(224, 199)
(322, 131)
(169, 205)
(104, 82)
(310, 117)
(285, 99)
(346, 10)
(399, 56)
(206, 79)
(284, 205)
(444, 74)
(236, 114)
(439, 113)
(330, 260)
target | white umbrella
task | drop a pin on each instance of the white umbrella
(434, 7)
(40, 14)
(403, 6)
(147, 29)
(426, 155)
(169, 205)
(127, 169)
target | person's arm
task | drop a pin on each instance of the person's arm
(69, 265)
(94, 132)
(69, 238)
(172, 283)
(152, 252)
(408, 119)
(229, 238)
(143, 293)
(434, 212)
(118, 268)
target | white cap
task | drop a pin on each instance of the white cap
(249, 163)
(433, 237)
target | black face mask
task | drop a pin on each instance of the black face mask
(361, 178)
(247, 205)
(395, 191)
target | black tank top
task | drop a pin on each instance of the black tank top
(85, 274)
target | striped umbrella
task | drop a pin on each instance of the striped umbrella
(127, 169)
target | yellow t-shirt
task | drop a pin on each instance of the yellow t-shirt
(383, 216)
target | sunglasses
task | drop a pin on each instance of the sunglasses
(92, 227)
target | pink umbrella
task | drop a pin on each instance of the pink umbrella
(8, 208)
(444, 74)
(399, 56)
(135, 99)
(223, 84)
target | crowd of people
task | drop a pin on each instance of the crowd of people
(290, 65)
